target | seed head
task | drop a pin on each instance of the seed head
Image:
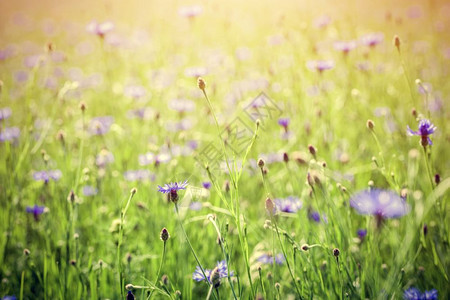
(397, 42)
(71, 197)
(201, 84)
(261, 163)
(277, 286)
(336, 252)
(270, 206)
(82, 106)
(26, 252)
(133, 191)
(165, 279)
(285, 157)
(305, 247)
(312, 150)
(370, 124)
(437, 178)
(164, 235)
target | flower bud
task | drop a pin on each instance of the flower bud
(336, 252)
(397, 42)
(201, 84)
(312, 150)
(164, 235)
(370, 124)
(215, 277)
(261, 163)
(82, 106)
(270, 206)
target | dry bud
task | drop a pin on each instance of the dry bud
(201, 84)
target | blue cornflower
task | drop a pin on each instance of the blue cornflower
(171, 189)
(206, 185)
(267, 258)
(380, 203)
(9, 298)
(89, 191)
(426, 128)
(100, 125)
(361, 233)
(290, 204)
(315, 216)
(221, 268)
(5, 113)
(36, 210)
(415, 294)
(284, 122)
(47, 175)
(9, 134)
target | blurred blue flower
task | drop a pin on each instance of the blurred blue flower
(100, 29)
(206, 185)
(315, 216)
(361, 233)
(222, 268)
(5, 113)
(138, 175)
(289, 204)
(267, 259)
(426, 128)
(9, 298)
(47, 175)
(372, 39)
(36, 210)
(100, 125)
(9, 134)
(415, 294)
(320, 65)
(89, 190)
(380, 203)
(284, 122)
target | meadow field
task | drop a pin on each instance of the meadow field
(224, 149)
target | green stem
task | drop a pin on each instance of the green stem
(159, 269)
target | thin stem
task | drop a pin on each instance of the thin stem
(192, 248)
(427, 164)
(287, 260)
(159, 269)
(119, 242)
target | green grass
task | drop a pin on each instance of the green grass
(95, 246)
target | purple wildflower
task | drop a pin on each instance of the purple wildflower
(89, 191)
(290, 204)
(100, 125)
(135, 91)
(36, 210)
(9, 134)
(381, 203)
(222, 269)
(415, 294)
(372, 39)
(9, 298)
(267, 259)
(138, 175)
(345, 46)
(315, 216)
(206, 185)
(156, 159)
(196, 205)
(100, 29)
(5, 113)
(171, 189)
(182, 105)
(190, 11)
(320, 65)
(45, 176)
(426, 128)
(284, 122)
(104, 158)
(361, 233)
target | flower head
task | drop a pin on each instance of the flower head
(426, 128)
(47, 175)
(381, 203)
(100, 29)
(290, 204)
(36, 210)
(221, 270)
(320, 65)
(415, 294)
(361, 233)
(267, 259)
(172, 189)
(284, 122)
